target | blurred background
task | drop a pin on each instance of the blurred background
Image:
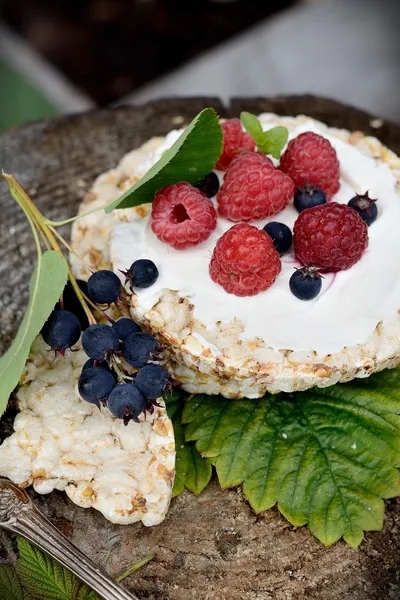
(63, 56)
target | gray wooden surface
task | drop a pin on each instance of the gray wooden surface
(212, 547)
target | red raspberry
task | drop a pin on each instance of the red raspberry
(330, 237)
(182, 216)
(235, 140)
(253, 189)
(244, 261)
(311, 158)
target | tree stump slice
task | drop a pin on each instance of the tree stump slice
(212, 547)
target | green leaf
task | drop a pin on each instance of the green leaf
(44, 577)
(85, 593)
(252, 125)
(274, 141)
(47, 283)
(328, 457)
(192, 472)
(271, 141)
(191, 157)
(10, 585)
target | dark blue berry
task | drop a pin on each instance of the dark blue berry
(209, 185)
(126, 402)
(305, 283)
(308, 196)
(61, 330)
(95, 384)
(71, 302)
(90, 363)
(138, 348)
(152, 381)
(365, 206)
(124, 327)
(104, 287)
(142, 273)
(280, 234)
(100, 342)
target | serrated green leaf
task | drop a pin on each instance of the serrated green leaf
(85, 593)
(328, 457)
(192, 471)
(46, 286)
(191, 157)
(10, 585)
(252, 125)
(43, 577)
(273, 141)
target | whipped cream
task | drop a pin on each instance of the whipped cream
(351, 302)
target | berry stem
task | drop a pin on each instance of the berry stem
(78, 292)
(96, 307)
(137, 565)
(17, 193)
(73, 219)
(68, 247)
(38, 222)
(120, 373)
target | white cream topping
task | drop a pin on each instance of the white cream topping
(351, 303)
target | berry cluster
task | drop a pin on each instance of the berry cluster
(121, 369)
(327, 236)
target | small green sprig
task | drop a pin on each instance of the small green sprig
(271, 142)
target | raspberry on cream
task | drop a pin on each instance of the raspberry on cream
(235, 140)
(253, 189)
(311, 158)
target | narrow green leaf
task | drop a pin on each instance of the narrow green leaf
(327, 457)
(43, 577)
(47, 283)
(192, 472)
(191, 157)
(252, 125)
(10, 585)
(273, 141)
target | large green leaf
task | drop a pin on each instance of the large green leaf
(10, 585)
(192, 472)
(327, 457)
(44, 577)
(47, 283)
(191, 157)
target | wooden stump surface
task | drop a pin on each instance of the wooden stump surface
(211, 547)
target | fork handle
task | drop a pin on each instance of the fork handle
(34, 526)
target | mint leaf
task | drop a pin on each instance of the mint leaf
(253, 126)
(327, 457)
(271, 142)
(191, 157)
(274, 141)
(10, 585)
(43, 577)
(192, 472)
(46, 286)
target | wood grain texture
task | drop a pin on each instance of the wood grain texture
(212, 547)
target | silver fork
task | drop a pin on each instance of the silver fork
(20, 515)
